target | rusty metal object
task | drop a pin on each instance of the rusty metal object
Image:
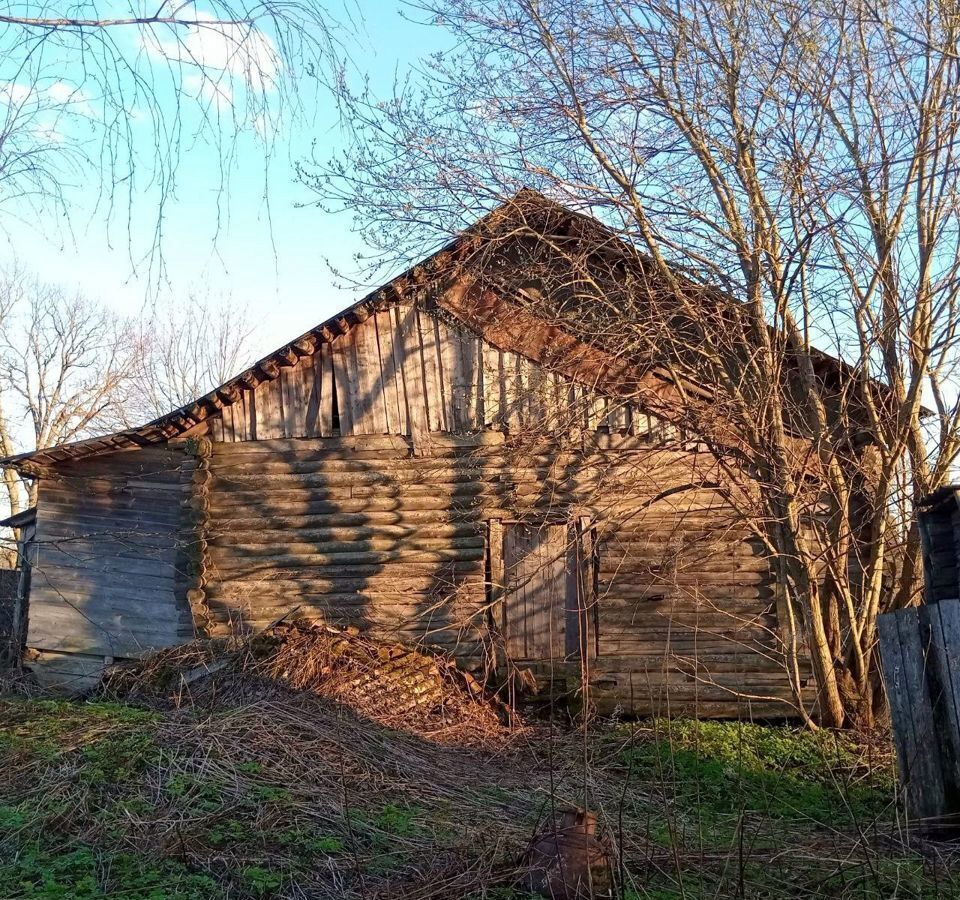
(569, 862)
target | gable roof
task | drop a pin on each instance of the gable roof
(185, 419)
(507, 325)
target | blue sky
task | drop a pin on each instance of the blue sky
(268, 256)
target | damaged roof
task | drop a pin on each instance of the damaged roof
(475, 312)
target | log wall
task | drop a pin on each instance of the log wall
(362, 531)
(361, 484)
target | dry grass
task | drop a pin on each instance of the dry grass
(262, 781)
(391, 684)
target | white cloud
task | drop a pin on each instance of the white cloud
(15, 94)
(239, 52)
(56, 95)
(65, 94)
(209, 89)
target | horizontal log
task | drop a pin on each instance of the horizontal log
(753, 577)
(403, 518)
(321, 464)
(356, 443)
(281, 560)
(233, 551)
(304, 503)
(735, 662)
(705, 596)
(384, 581)
(449, 480)
(375, 608)
(277, 500)
(449, 638)
(683, 540)
(658, 650)
(225, 535)
(456, 568)
(614, 617)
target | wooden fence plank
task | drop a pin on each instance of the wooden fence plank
(943, 623)
(902, 655)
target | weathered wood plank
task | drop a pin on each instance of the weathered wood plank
(290, 403)
(323, 361)
(407, 345)
(942, 623)
(493, 385)
(308, 388)
(340, 356)
(394, 398)
(902, 656)
(369, 389)
(433, 386)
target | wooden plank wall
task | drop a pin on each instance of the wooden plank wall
(940, 537)
(407, 371)
(360, 531)
(103, 581)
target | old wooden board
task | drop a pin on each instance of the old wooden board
(940, 624)
(535, 600)
(911, 709)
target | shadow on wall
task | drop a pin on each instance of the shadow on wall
(391, 543)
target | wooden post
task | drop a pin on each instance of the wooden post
(920, 654)
(495, 557)
(586, 595)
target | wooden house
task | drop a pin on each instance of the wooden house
(437, 465)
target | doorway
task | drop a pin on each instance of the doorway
(543, 618)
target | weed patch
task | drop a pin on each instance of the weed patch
(272, 800)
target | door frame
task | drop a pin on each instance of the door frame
(580, 581)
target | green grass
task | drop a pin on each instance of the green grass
(103, 800)
(720, 778)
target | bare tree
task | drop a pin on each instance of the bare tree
(114, 98)
(187, 349)
(785, 177)
(67, 367)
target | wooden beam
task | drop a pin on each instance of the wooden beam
(287, 356)
(269, 368)
(305, 346)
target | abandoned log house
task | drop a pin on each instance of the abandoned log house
(438, 465)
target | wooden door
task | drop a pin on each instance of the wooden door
(540, 592)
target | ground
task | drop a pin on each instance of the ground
(277, 799)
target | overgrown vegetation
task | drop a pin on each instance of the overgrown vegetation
(277, 799)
